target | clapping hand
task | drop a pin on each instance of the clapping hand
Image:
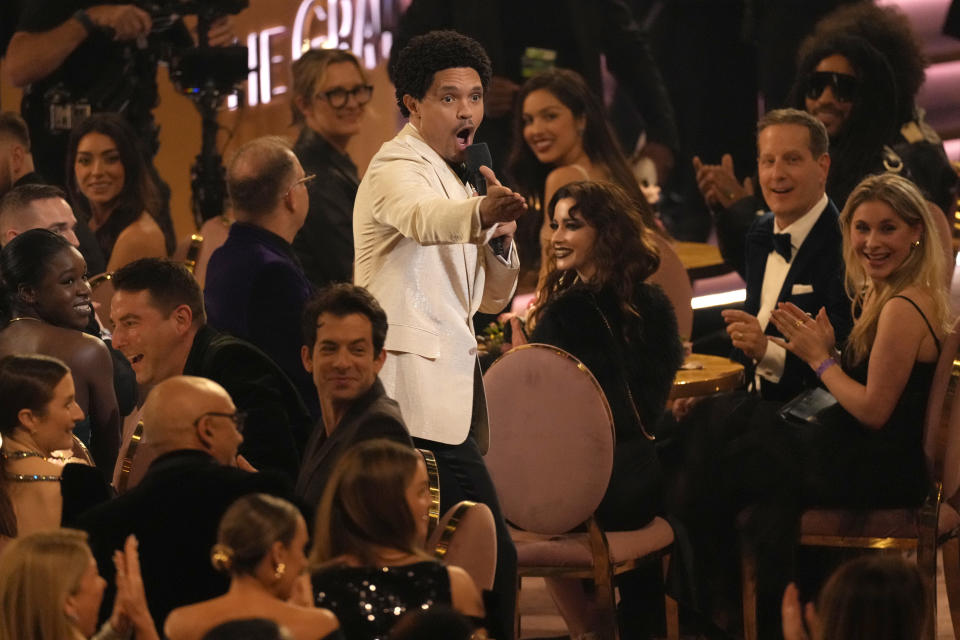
(811, 339)
(718, 182)
(745, 333)
(130, 608)
(793, 620)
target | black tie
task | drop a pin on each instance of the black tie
(781, 244)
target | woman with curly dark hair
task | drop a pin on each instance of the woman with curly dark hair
(596, 304)
(111, 186)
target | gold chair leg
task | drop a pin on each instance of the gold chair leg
(951, 574)
(605, 597)
(748, 570)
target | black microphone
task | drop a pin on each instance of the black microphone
(478, 155)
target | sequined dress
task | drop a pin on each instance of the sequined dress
(369, 601)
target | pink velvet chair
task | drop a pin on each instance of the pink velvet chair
(550, 457)
(466, 537)
(935, 522)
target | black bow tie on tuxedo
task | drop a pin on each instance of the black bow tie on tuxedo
(461, 170)
(780, 242)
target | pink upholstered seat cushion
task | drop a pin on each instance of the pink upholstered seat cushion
(573, 549)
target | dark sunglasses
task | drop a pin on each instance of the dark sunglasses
(338, 97)
(844, 86)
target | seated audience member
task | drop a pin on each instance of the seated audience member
(50, 590)
(344, 329)
(41, 206)
(261, 545)
(792, 253)
(16, 162)
(160, 326)
(562, 135)
(866, 450)
(38, 408)
(876, 597)
(193, 427)
(114, 191)
(916, 146)
(596, 302)
(249, 629)
(255, 287)
(370, 529)
(36, 206)
(44, 308)
(330, 94)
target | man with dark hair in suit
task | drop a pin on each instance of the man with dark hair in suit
(255, 286)
(194, 427)
(793, 252)
(344, 329)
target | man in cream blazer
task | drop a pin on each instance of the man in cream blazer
(421, 239)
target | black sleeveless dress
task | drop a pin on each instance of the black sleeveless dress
(368, 601)
(767, 471)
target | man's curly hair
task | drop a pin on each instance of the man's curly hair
(888, 30)
(413, 70)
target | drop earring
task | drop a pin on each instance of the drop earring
(280, 570)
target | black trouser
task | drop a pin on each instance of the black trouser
(464, 476)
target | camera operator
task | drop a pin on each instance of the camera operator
(76, 58)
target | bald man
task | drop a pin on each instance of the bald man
(255, 286)
(194, 430)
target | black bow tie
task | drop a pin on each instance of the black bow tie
(461, 170)
(780, 242)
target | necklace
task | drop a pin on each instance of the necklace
(18, 318)
(31, 477)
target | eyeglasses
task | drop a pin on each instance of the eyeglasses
(844, 86)
(239, 418)
(304, 180)
(338, 96)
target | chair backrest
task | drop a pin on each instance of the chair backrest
(941, 440)
(552, 438)
(101, 292)
(672, 277)
(433, 476)
(466, 537)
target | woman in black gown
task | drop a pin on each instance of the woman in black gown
(367, 558)
(866, 451)
(596, 304)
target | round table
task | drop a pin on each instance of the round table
(701, 260)
(714, 374)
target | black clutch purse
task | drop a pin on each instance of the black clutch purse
(813, 406)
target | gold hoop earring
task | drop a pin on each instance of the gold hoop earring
(280, 570)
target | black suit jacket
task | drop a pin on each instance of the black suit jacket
(818, 264)
(278, 423)
(373, 415)
(174, 512)
(324, 243)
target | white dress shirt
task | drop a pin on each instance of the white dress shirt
(771, 365)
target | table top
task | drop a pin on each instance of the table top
(715, 374)
(701, 260)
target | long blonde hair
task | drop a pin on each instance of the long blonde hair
(37, 573)
(924, 267)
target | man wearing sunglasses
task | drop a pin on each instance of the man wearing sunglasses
(194, 429)
(849, 86)
(255, 287)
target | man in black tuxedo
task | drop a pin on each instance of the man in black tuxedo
(194, 427)
(344, 329)
(793, 252)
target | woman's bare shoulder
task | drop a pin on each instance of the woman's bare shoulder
(141, 239)
(565, 175)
